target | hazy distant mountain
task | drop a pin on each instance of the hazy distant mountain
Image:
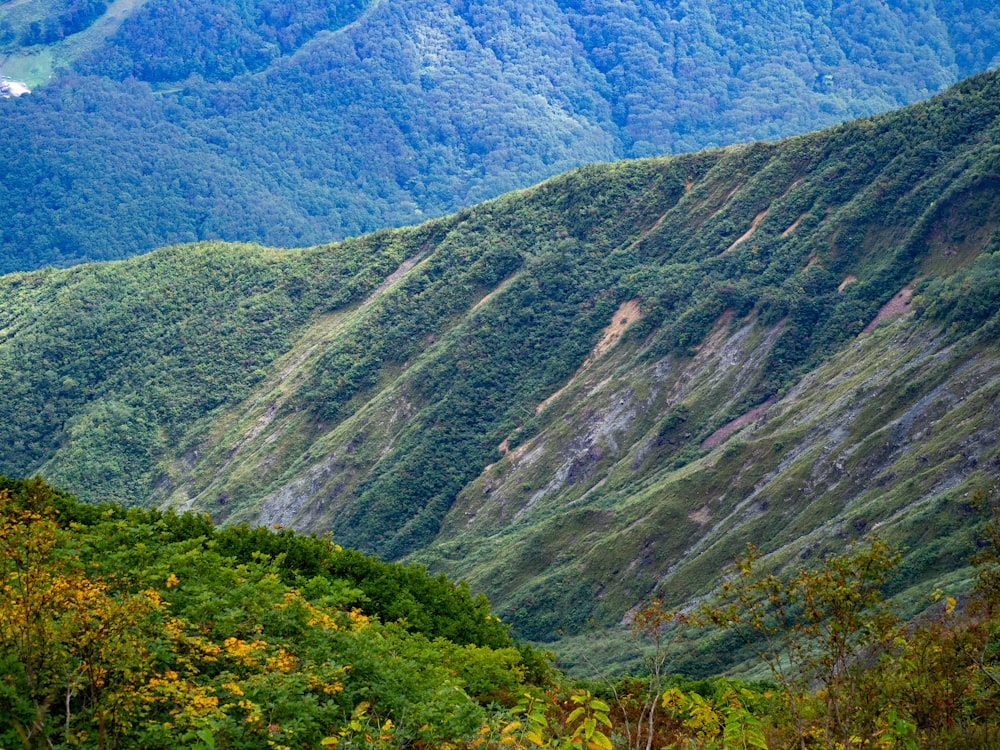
(164, 121)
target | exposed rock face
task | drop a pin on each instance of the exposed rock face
(849, 450)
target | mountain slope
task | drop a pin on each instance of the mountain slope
(573, 395)
(180, 120)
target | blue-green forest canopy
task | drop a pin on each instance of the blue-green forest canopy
(180, 120)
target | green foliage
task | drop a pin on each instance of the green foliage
(124, 628)
(431, 605)
(129, 362)
(852, 673)
(295, 388)
(967, 299)
(217, 41)
(724, 721)
(577, 722)
(141, 631)
(815, 629)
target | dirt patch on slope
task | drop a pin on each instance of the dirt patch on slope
(717, 437)
(393, 277)
(494, 293)
(795, 225)
(753, 228)
(624, 316)
(898, 305)
(700, 516)
(849, 279)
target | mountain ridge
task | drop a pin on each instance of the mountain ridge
(529, 394)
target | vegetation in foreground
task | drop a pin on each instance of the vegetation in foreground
(129, 628)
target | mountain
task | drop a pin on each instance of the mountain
(573, 395)
(165, 121)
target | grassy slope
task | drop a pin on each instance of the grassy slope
(315, 388)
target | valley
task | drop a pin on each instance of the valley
(575, 396)
(471, 374)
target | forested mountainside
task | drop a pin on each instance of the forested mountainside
(573, 395)
(165, 121)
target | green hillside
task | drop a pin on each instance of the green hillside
(128, 628)
(543, 394)
(167, 121)
(124, 628)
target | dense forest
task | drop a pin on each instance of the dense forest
(543, 394)
(182, 120)
(140, 629)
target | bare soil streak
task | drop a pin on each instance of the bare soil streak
(626, 314)
(898, 305)
(494, 293)
(795, 225)
(753, 228)
(849, 279)
(717, 437)
(393, 277)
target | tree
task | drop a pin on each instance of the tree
(72, 651)
(820, 629)
(649, 624)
